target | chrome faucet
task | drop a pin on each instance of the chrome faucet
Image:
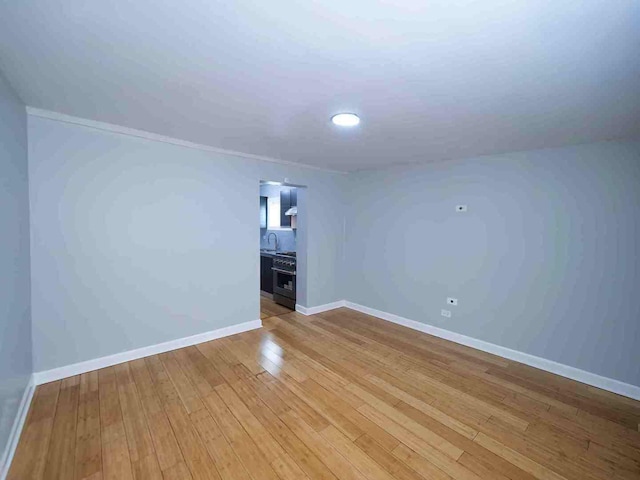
(269, 240)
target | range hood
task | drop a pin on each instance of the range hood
(292, 212)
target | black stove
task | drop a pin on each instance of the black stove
(284, 279)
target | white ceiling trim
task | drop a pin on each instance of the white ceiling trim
(132, 132)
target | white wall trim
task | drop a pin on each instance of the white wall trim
(320, 308)
(573, 373)
(16, 430)
(132, 132)
(102, 362)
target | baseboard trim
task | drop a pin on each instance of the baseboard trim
(320, 308)
(609, 384)
(16, 430)
(102, 362)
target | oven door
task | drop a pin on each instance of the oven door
(284, 283)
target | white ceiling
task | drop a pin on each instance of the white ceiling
(431, 79)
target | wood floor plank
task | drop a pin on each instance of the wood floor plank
(135, 422)
(482, 469)
(309, 464)
(185, 389)
(31, 453)
(421, 464)
(88, 456)
(116, 462)
(227, 462)
(260, 435)
(539, 451)
(539, 471)
(269, 308)
(191, 370)
(196, 457)
(206, 369)
(365, 464)
(397, 416)
(146, 468)
(386, 460)
(415, 443)
(62, 448)
(334, 396)
(179, 471)
(328, 454)
(246, 449)
(481, 455)
(200, 464)
(290, 401)
(111, 423)
(425, 408)
(164, 440)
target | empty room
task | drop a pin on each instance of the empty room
(393, 240)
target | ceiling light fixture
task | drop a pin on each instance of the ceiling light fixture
(346, 119)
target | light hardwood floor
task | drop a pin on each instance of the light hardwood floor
(338, 395)
(269, 308)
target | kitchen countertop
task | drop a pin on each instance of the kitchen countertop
(271, 253)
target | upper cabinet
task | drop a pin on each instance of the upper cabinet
(263, 212)
(288, 199)
(285, 204)
(274, 204)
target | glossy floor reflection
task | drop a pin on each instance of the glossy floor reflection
(339, 395)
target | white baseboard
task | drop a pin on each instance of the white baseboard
(102, 362)
(573, 373)
(320, 308)
(16, 430)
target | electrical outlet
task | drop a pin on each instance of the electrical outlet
(452, 301)
(445, 313)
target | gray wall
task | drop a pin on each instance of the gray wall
(545, 261)
(136, 242)
(15, 312)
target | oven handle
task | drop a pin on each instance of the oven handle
(283, 271)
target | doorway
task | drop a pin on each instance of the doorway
(282, 247)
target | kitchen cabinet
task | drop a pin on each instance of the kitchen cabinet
(288, 199)
(263, 212)
(285, 204)
(266, 274)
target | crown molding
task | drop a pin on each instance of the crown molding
(132, 132)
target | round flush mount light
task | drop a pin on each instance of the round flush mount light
(346, 119)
